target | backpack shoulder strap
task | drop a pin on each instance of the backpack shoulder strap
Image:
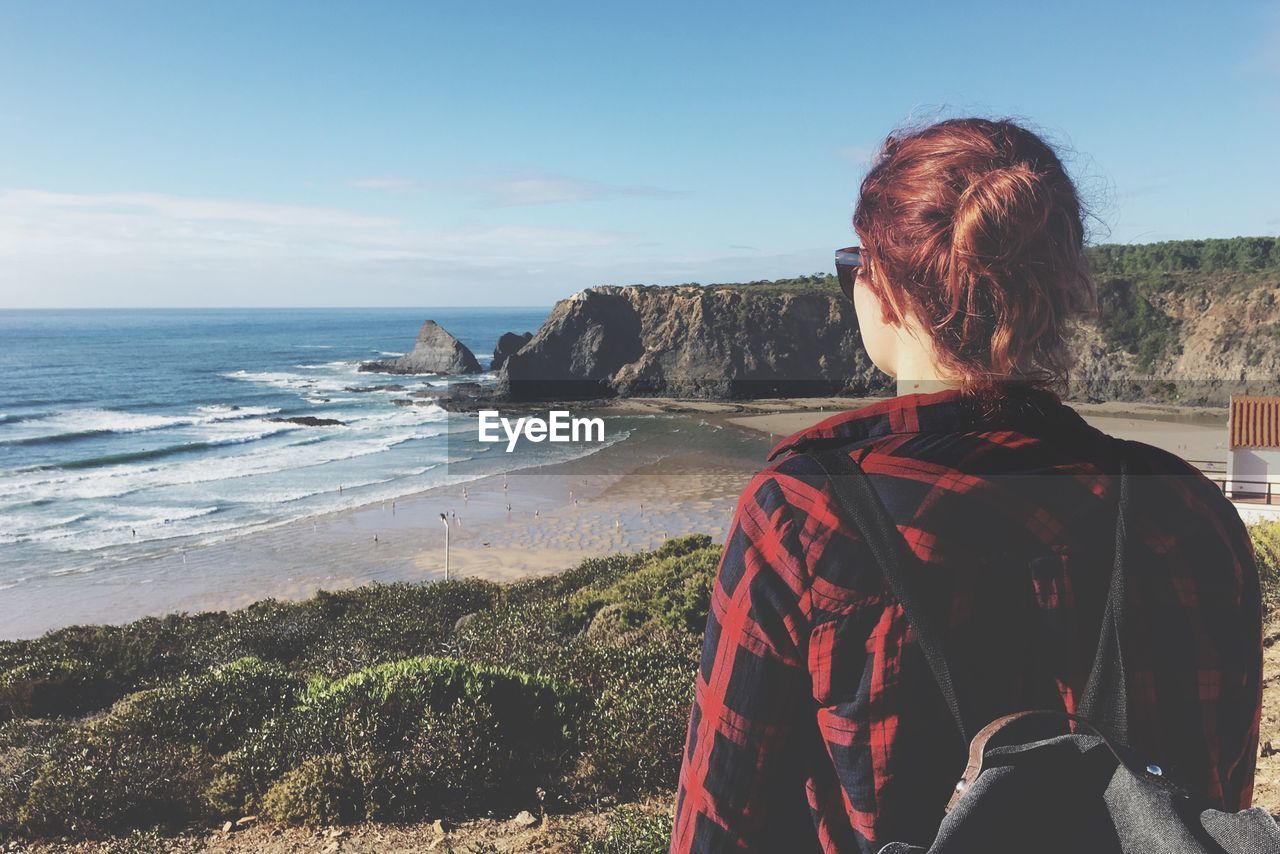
(861, 505)
(1105, 702)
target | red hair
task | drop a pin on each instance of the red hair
(975, 228)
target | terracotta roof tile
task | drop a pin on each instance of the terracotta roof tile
(1255, 422)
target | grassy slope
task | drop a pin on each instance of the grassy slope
(563, 694)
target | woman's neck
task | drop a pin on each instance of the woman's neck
(923, 386)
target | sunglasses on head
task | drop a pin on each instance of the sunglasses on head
(848, 260)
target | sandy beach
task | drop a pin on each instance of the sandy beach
(680, 472)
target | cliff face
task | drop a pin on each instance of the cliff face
(692, 342)
(1219, 344)
(1186, 344)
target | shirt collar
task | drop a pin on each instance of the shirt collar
(945, 411)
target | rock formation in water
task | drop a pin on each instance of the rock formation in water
(508, 344)
(435, 352)
(689, 341)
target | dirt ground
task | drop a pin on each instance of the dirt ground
(551, 834)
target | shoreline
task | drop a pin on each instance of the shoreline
(681, 473)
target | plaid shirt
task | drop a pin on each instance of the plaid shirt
(816, 724)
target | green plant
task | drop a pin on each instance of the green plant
(137, 842)
(322, 790)
(672, 589)
(418, 733)
(363, 704)
(150, 760)
(56, 688)
(633, 737)
(633, 830)
(1265, 537)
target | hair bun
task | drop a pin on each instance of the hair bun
(999, 216)
(974, 227)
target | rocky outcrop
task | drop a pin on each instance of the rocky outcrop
(508, 344)
(435, 352)
(310, 421)
(692, 342)
(1192, 344)
(1220, 342)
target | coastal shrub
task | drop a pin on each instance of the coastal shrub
(1130, 322)
(1265, 537)
(54, 689)
(595, 570)
(671, 590)
(94, 785)
(337, 715)
(405, 727)
(337, 632)
(137, 842)
(24, 748)
(213, 710)
(115, 660)
(634, 830)
(322, 790)
(150, 759)
(632, 739)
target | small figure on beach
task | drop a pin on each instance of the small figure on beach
(464, 495)
(508, 506)
(375, 538)
(535, 513)
(134, 531)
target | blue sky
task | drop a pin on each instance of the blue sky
(484, 153)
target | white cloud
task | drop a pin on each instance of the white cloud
(131, 249)
(512, 189)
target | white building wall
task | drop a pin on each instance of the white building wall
(1253, 464)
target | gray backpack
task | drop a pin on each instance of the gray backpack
(1078, 792)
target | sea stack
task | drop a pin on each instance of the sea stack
(435, 352)
(508, 344)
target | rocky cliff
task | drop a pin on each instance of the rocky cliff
(1175, 330)
(435, 352)
(1194, 345)
(692, 342)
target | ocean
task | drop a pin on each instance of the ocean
(128, 434)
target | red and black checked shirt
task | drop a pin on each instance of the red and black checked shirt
(816, 724)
